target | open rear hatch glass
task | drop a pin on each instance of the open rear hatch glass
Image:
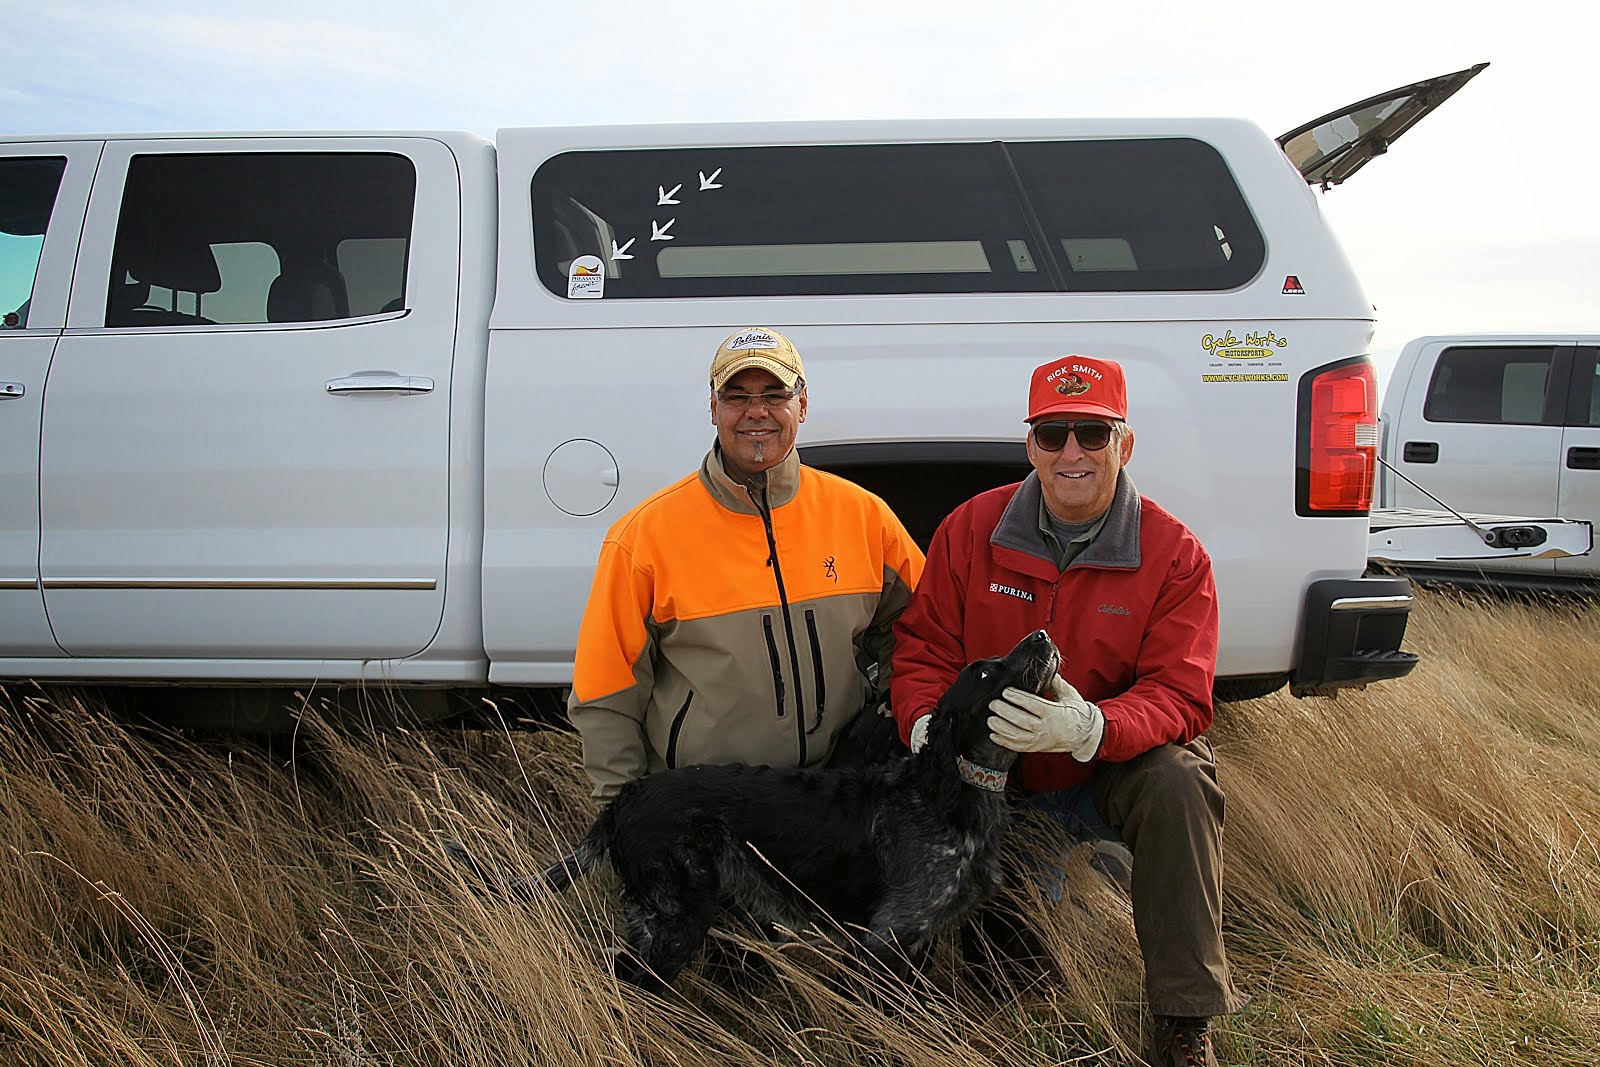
(1329, 149)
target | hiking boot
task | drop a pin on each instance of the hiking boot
(1182, 1042)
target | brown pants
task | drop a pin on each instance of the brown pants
(1166, 806)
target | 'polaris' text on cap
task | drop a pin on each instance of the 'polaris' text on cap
(757, 346)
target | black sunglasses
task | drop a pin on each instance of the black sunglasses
(1093, 434)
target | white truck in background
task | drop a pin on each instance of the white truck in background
(351, 409)
(1491, 426)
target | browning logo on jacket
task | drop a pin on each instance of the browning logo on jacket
(729, 623)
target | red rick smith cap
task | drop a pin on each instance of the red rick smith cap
(1080, 385)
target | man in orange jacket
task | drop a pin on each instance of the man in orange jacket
(738, 614)
(1126, 592)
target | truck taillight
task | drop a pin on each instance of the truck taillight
(1338, 439)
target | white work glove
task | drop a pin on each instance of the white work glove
(919, 733)
(1024, 722)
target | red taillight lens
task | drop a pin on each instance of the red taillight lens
(1342, 434)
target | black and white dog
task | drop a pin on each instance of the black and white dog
(885, 855)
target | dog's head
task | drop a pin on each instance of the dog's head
(960, 725)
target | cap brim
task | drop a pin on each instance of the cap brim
(784, 374)
(1078, 407)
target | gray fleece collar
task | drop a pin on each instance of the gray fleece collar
(1116, 546)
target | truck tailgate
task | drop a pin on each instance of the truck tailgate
(1419, 535)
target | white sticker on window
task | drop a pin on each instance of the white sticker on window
(586, 278)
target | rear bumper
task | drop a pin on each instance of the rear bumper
(1351, 635)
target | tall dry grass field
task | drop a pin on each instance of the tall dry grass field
(1414, 878)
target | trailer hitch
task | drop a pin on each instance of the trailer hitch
(1513, 536)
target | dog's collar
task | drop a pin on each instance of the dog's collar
(983, 777)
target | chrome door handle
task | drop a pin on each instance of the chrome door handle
(407, 384)
(11, 390)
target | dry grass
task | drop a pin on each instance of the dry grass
(1414, 878)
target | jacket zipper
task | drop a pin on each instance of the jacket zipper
(788, 623)
(816, 663)
(777, 668)
(677, 726)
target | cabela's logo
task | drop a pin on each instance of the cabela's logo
(1072, 385)
(1254, 345)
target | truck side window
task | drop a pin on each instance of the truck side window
(1136, 215)
(261, 237)
(1583, 396)
(1489, 385)
(1141, 214)
(820, 219)
(27, 196)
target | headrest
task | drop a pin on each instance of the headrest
(309, 296)
(181, 267)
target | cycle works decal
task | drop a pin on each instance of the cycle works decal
(1228, 350)
(1267, 376)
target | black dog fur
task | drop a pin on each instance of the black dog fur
(885, 855)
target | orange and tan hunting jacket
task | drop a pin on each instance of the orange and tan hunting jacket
(731, 624)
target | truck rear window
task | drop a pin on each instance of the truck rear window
(1137, 215)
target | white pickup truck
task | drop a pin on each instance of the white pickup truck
(1491, 426)
(349, 409)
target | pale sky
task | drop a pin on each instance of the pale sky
(1480, 218)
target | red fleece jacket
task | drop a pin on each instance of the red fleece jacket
(1134, 615)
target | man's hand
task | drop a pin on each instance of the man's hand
(919, 733)
(1024, 722)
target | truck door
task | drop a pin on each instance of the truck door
(1578, 463)
(1487, 434)
(245, 450)
(43, 190)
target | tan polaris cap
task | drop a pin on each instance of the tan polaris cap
(757, 346)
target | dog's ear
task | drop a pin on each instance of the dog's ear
(953, 707)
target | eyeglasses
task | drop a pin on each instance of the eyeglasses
(1093, 435)
(772, 398)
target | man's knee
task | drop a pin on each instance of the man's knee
(1182, 772)
(1167, 780)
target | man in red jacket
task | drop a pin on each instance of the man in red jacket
(1126, 592)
